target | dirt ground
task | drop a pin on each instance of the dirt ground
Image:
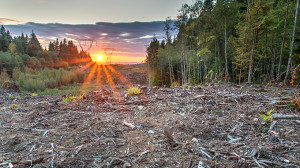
(189, 127)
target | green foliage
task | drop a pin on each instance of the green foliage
(13, 106)
(268, 116)
(67, 99)
(175, 84)
(40, 80)
(12, 49)
(253, 37)
(34, 48)
(133, 91)
(3, 77)
(11, 96)
(204, 51)
(71, 98)
(156, 82)
(5, 39)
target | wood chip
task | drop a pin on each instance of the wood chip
(128, 124)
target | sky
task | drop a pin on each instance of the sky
(125, 25)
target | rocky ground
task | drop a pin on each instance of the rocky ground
(190, 127)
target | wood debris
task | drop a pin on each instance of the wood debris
(216, 126)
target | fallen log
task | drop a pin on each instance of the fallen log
(282, 116)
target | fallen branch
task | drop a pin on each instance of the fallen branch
(281, 116)
(143, 153)
(255, 160)
(27, 162)
(128, 124)
(272, 126)
(206, 154)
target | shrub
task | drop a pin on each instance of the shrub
(16, 73)
(133, 91)
(51, 84)
(174, 84)
(67, 99)
(4, 75)
(32, 83)
(13, 106)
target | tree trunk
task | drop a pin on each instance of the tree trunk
(283, 40)
(250, 75)
(251, 64)
(219, 57)
(216, 63)
(226, 64)
(240, 74)
(170, 67)
(273, 63)
(292, 45)
(243, 47)
(149, 75)
(183, 62)
(161, 74)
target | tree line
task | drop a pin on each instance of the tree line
(26, 51)
(253, 41)
(23, 60)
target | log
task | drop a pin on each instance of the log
(281, 116)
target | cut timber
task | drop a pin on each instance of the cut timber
(198, 97)
(281, 116)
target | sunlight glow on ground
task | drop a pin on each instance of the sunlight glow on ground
(99, 64)
(98, 78)
(88, 80)
(120, 76)
(110, 80)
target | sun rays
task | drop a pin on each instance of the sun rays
(110, 80)
(119, 75)
(89, 78)
(100, 75)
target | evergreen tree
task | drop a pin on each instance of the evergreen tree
(34, 48)
(5, 39)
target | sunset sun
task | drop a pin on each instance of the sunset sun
(99, 58)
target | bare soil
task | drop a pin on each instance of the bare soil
(211, 126)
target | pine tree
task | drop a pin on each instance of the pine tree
(5, 39)
(34, 48)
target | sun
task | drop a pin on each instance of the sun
(99, 57)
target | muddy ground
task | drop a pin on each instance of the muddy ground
(190, 127)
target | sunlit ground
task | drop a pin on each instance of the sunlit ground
(98, 69)
(97, 74)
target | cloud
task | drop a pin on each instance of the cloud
(5, 21)
(130, 38)
(125, 34)
(146, 37)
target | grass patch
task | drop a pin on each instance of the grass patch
(71, 89)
